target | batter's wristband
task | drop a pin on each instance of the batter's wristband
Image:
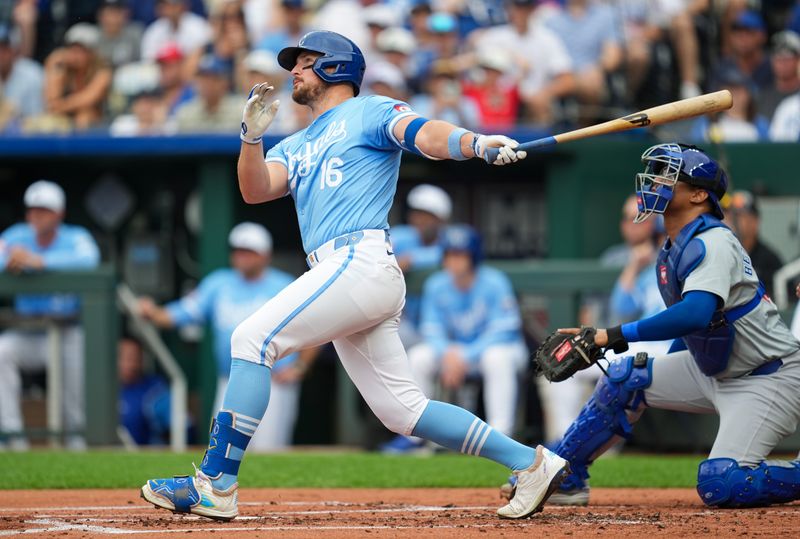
(249, 140)
(454, 144)
(616, 340)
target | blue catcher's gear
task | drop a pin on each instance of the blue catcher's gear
(711, 346)
(722, 482)
(337, 51)
(605, 415)
(463, 238)
(667, 164)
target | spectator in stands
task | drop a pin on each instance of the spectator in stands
(229, 41)
(77, 79)
(785, 126)
(445, 100)
(740, 123)
(543, 64)
(226, 297)
(383, 78)
(378, 17)
(471, 327)
(785, 59)
(175, 90)
(175, 25)
(632, 233)
(214, 109)
(120, 38)
(290, 32)
(746, 221)
(148, 116)
(144, 399)
(345, 17)
(594, 45)
(395, 46)
(21, 79)
(262, 66)
(748, 52)
(417, 245)
(44, 242)
(495, 91)
(146, 11)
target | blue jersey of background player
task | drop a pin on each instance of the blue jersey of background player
(732, 354)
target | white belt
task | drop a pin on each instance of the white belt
(328, 248)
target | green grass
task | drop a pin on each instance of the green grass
(106, 469)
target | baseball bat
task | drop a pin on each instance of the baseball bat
(669, 112)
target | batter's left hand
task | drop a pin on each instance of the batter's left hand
(508, 153)
(600, 338)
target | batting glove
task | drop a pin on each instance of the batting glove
(506, 154)
(257, 115)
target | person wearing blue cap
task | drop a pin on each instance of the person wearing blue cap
(748, 52)
(214, 109)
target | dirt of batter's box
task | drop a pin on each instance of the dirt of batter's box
(418, 513)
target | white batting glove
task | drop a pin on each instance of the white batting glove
(257, 115)
(507, 153)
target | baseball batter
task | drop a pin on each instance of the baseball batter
(732, 354)
(342, 172)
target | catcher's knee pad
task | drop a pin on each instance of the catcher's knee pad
(722, 482)
(605, 415)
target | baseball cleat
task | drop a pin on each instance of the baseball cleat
(196, 495)
(572, 497)
(403, 445)
(535, 484)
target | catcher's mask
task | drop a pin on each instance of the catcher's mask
(665, 165)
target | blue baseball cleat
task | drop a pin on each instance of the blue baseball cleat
(196, 495)
(403, 445)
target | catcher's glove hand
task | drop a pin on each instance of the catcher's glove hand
(562, 354)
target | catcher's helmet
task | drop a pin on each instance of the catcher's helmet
(464, 239)
(666, 164)
(337, 51)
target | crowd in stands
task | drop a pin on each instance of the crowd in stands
(179, 66)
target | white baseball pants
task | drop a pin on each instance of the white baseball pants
(28, 351)
(499, 366)
(353, 296)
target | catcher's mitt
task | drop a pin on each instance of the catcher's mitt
(561, 354)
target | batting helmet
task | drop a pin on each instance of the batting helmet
(463, 239)
(667, 164)
(337, 51)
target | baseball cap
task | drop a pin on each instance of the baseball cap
(388, 74)
(45, 194)
(83, 33)
(262, 61)
(252, 237)
(743, 202)
(396, 40)
(121, 4)
(786, 41)
(169, 52)
(749, 20)
(441, 23)
(431, 199)
(381, 15)
(492, 59)
(212, 65)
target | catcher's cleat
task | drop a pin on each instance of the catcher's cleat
(535, 484)
(571, 497)
(196, 495)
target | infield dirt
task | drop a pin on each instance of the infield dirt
(345, 513)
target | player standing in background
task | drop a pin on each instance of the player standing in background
(416, 246)
(225, 298)
(732, 354)
(342, 173)
(471, 327)
(44, 242)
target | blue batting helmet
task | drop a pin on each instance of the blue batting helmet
(337, 51)
(667, 164)
(464, 239)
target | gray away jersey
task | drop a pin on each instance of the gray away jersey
(726, 271)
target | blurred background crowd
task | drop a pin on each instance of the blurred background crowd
(186, 66)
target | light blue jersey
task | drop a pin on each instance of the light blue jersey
(343, 168)
(73, 248)
(406, 242)
(487, 314)
(224, 298)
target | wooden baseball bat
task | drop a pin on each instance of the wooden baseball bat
(669, 112)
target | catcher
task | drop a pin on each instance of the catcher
(732, 354)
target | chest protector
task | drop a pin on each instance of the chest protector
(711, 346)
